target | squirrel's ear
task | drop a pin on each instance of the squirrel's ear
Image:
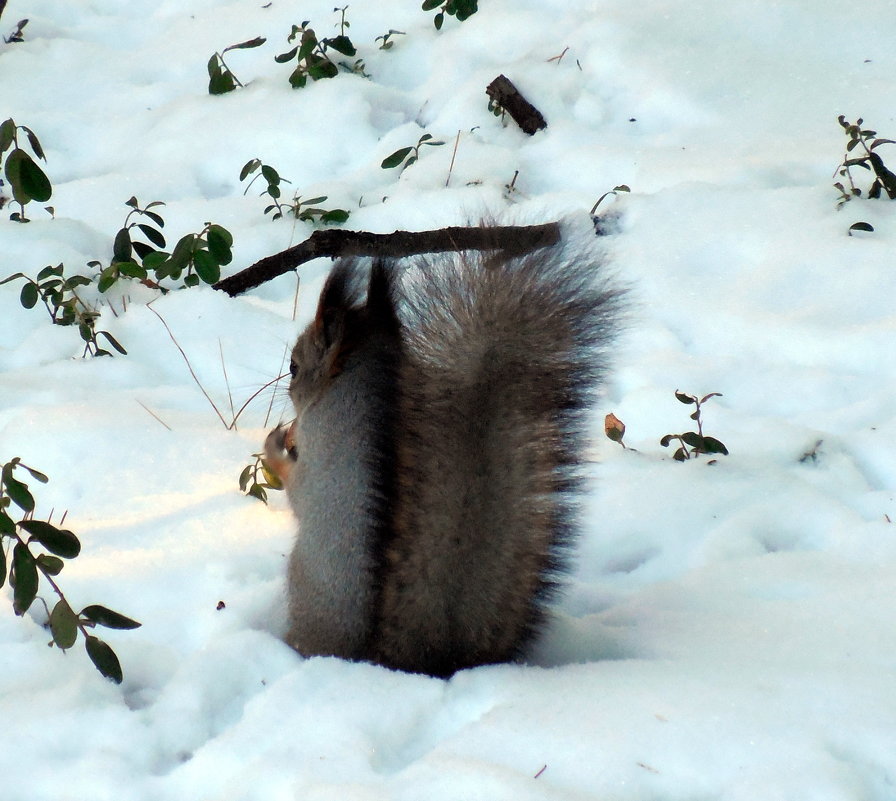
(334, 304)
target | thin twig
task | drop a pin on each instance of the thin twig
(154, 415)
(189, 366)
(226, 381)
(255, 394)
(453, 155)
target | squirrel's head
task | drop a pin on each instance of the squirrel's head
(342, 326)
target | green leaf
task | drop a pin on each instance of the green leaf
(133, 270)
(48, 271)
(248, 168)
(33, 141)
(666, 440)
(438, 20)
(103, 657)
(270, 174)
(258, 41)
(13, 171)
(132, 200)
(322, 68)
(7, 526)
(113, 342)
(220, 81)
(693, 439)
(56, 540)
(309, 42)
(36, 474)
(684, 398)
(106, 617)
(245, 476)
(142, 249)
(51, 565)
(63, 625)
(257, 491)
(156, 218)
(464, 9)
(35, 181)
(396, 158)
(7, 134)
(24, 577)
(860, 226)
(29, 295)
(219, 242)
(2, 563)
(121, 247)
(191, 280)
(334, 217)
(298, 78)
(152, 235)
(284, 57)
(183, 250)
(429, 5)
(341, 44)
(107, 278)
(207, 268)
(17, 491)
(712, 445)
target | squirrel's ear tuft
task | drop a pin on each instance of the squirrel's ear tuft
(381, 295)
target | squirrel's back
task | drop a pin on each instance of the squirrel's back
(500, 359)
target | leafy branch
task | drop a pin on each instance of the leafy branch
(868, 141)
(221, 79)
(25, 570)
(59, 294)
(693, 443)
(406, 156)
(305, 210)
(27, 180)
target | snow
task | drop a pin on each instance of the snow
(728, 630)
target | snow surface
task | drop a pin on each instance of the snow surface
(729, 630)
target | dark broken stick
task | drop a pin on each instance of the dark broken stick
(506, 95)
(336, 243)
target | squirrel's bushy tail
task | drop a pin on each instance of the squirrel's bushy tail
(503, 358)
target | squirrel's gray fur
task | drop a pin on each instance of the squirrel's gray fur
(435, 462)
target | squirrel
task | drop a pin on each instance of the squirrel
(435, 461)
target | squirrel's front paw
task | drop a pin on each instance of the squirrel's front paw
(280, 450)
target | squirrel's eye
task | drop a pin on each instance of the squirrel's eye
(293, 369)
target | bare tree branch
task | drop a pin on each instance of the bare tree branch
(334, 243)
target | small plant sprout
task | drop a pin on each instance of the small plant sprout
(693, 443)
(59, 294)
(258, 477)
(198, 257)
(25, 178)
(614, 191)
(221, 78)
(26, 568)
(18, 35)
(462, 9)
(312, 59)
(305, 210)
(406, 156)
(869, 159)
(385, 40)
